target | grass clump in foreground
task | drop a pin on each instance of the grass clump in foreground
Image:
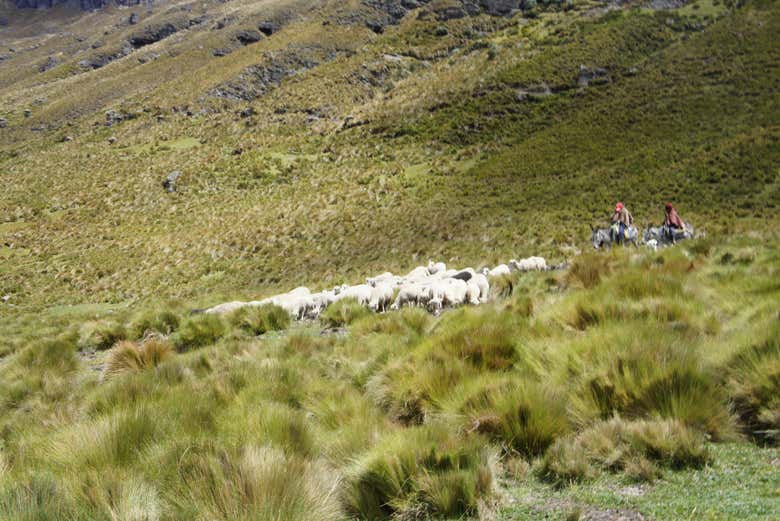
(405, 415)
(258, 320)
(423, 471)
(639, 449)
(752, 380)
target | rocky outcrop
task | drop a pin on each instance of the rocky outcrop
(86, 5)
(255, 80)
(50, 63)
(154, 33)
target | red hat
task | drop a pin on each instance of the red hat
(669, 206)
(618, 207)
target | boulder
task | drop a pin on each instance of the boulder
(268, 27)
(248, 37)
(50, 63)
(153, 34)
(133, 20)
(169, 183)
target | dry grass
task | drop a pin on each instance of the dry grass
(128, 357)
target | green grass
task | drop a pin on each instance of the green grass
(409, 415)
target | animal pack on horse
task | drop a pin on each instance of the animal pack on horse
(604, 237)
(658, 233)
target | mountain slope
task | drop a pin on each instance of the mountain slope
(367, 151)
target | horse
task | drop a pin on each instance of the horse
(604, 237)
(657, 233)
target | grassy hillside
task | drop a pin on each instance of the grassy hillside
(395, 148)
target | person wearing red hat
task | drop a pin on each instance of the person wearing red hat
(672, 222)
(622, 220)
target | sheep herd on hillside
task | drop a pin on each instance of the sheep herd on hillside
(432, 287)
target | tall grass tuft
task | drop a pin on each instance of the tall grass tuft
(588, 269)
(523, 416)
(128, 356)
(102, 335)
(258, 320)
(199, 331)
(256, 483)
(640, 449)
(163, 322)
(485, 339)
(40, 497)
(753, 384)
(425, 470)
(343, 313)
(57, 354)
(639, 370)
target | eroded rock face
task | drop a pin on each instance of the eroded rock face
(154, 33)
(86, 5)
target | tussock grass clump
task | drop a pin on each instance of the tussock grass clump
(163, 322)
(107, 442)
(57, 354)
(640, 449)
(258, 320)
(588, 269)
(407, 321)
(39, 498)
(102, 335)
(753, 384)
(638, 370)
(199, 331)
(256, 483)
(484, 338)
(424, 470)
(523, 416)
(343, 313)
(128, 357)
(503, 286)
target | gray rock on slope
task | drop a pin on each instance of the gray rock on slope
(169, 183)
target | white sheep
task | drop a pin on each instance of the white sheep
(473, 293)
(418, 273)
(529, 264)
(436, 267)
(455, 293)
(411, 294)
(361, 293)
(381, 297)
(484, 286)
(227, 307)
(652, 244)
(321, 300)
(385, 277)
(501, 269)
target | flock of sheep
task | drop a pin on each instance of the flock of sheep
(433, 287)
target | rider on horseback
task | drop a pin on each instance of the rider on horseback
(622, 220)
(672, 222)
